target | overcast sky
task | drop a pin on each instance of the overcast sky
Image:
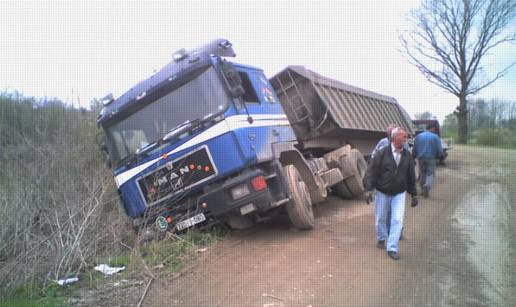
(80, 50)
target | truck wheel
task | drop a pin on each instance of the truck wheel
(355, 163)
(442, 160)
(299, 208)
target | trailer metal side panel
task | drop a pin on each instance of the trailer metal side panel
(318, 106)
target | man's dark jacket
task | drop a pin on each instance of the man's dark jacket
(384, 176)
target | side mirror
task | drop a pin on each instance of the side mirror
(237, 91)
(234, 81)
(100, 139)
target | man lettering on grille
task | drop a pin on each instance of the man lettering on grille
(427, 150)
(391, 172)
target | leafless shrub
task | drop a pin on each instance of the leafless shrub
(58, 210)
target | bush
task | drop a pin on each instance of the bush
(504, 138)
(489, 137)
(508, 139)
(58, 205)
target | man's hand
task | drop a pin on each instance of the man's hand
(414, 202)
(369, 197)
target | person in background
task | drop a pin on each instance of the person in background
(385, 141)
(427, 150)
(391, 172)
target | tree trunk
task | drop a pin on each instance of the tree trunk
(462, 118)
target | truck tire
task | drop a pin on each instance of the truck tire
(442, 160)
(299, 208)
(354, 163)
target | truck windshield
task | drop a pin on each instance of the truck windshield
(202, 96)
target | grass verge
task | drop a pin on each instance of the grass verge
(168, 254)
(160, 257)
(33, 294)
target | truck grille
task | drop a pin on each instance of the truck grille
(178, 175)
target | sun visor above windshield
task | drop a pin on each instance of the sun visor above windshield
(219, 47)
(194, 61)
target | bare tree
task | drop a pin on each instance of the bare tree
(450, 41)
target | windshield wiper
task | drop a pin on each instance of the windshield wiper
(182, 128)
(133, 157)
(170, 136)
(186, 126)
(129, 159)
(176, 131)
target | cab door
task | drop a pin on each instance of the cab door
(269, 123)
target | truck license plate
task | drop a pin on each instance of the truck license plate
(247, 209)
(191, 221)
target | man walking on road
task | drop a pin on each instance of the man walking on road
(381, 144)
(427, 149)
(391, 173)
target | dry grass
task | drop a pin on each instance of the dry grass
(59, 208)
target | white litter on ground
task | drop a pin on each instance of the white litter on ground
(67, 281)
(108, 270)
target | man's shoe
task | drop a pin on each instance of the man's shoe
(394, 255)
(426, 192)
(380, 244)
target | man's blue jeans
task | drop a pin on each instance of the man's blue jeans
(427, 172)
(396, 205)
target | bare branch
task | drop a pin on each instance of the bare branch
(499, 75)
(440, 79)
(452, 38)
(497, 16)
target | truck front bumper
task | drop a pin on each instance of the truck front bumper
(216, 202)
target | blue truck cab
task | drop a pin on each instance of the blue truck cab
(192, 143)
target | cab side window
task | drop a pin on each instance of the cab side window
(250, 94)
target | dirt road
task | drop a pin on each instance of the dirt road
(459, 251)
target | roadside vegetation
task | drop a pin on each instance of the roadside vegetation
(491, 123)
(59, 208)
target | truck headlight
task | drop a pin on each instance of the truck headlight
(240, 191)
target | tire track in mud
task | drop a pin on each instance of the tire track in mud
(462, 246)
(481, 238)
(483, 216)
